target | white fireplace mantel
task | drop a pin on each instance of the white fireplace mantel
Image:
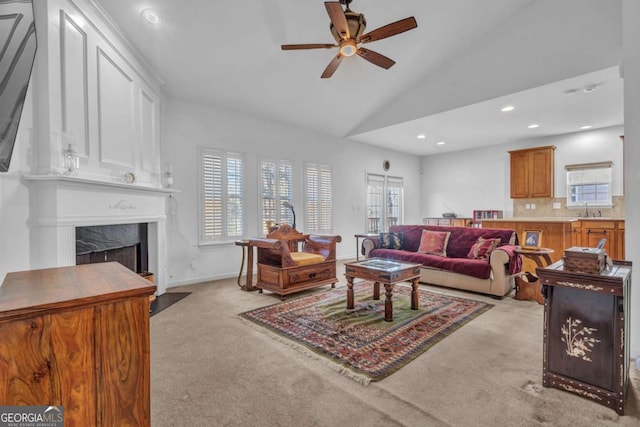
(61, 203)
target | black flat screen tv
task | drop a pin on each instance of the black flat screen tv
(17, 53)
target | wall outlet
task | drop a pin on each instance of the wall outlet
(527, 206)
(556, 205)
(533, 205)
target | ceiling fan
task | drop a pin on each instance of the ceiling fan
(347, 27)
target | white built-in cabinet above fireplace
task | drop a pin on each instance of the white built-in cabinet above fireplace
(98, 94)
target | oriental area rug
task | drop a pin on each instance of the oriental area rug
(358, 342)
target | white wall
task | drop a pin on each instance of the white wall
(479, 179)
(631, 62)
(15, 238)
(187, 126)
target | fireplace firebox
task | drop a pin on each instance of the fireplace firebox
(124, 243)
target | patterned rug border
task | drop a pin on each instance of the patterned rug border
(341, 366)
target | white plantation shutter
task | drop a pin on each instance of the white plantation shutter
(276, 186)
(222, 196)
(318, 198)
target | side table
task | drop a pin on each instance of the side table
(361, 236)
(246, 246)
(531, 288)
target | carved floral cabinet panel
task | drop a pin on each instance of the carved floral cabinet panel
(586, 332)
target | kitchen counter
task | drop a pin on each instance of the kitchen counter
(554, 219)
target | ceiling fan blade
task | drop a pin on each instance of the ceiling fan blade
(338, 18)
(376, 58)
(332, 67)
(390, 30)
(307, 46)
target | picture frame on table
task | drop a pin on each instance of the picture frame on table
(532, 239)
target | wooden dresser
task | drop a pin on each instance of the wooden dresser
(78, 337)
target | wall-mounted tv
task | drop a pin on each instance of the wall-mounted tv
(17, 53)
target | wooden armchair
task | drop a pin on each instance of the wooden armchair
(283, 269)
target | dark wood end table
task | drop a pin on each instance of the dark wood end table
(387, 272)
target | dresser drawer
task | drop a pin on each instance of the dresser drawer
(598, 224)
(309, 274)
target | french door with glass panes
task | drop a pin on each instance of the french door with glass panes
(384, 202)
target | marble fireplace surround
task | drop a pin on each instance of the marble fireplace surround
(61, 203)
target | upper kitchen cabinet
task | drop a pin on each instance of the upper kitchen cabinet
(532, 172)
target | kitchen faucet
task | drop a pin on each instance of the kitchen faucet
(586, 209)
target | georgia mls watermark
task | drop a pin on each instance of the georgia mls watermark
(31, 416)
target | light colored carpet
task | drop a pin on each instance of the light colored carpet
(211, 368)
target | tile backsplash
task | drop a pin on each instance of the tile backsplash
(544, 208)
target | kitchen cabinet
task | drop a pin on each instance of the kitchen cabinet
(77, 337)
(562, 233)
(593, 230)
(620, 240)
(576, 234)
(532, 172)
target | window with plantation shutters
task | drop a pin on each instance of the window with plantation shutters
(384, 202)
(222, 196)
(276, 187)
(318, 198)
(589, 184)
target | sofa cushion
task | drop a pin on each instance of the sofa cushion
(479, 268)
(434, 242)
(482, 248)
(391, 240)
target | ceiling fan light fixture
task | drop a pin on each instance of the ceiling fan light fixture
(348, 48)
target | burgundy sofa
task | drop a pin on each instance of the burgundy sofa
(493, 276)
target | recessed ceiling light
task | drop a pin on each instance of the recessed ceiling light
(421, 136)
(507, 108)
(533, 126)
(441, 143)
(151, 16)
(586, 127)
(570, 92)
(589, 88)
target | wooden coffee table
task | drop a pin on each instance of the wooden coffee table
(387, 272)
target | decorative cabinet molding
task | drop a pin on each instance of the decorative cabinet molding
(532, 172)
(98, 93)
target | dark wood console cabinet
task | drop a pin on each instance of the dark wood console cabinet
(586, 332)
(78, 337)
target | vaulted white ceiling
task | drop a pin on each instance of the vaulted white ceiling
(453, 73)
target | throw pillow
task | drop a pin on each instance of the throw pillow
(482, 248)
(434, 242)
(391, 240)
